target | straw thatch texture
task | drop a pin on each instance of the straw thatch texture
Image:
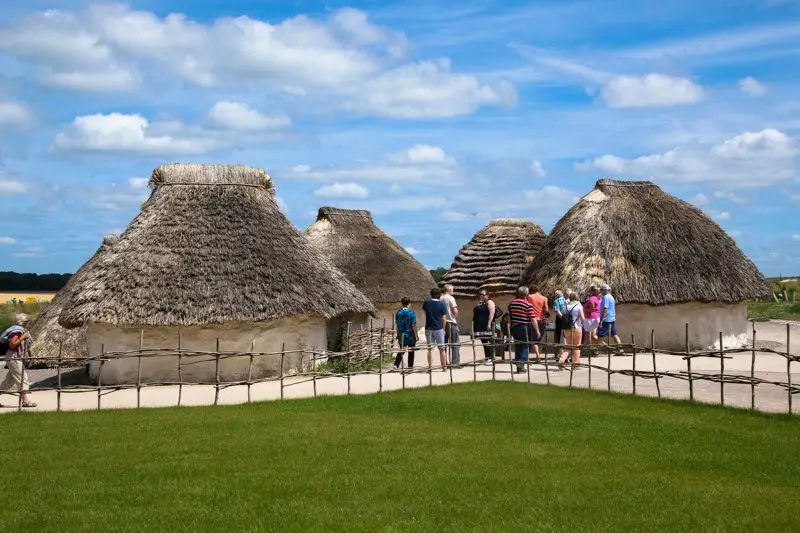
(49, 336)
(651, 247)
(495, 258)
(373, 261)
(210, 246)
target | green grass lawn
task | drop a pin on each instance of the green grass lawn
(761, 311)
(474, 457)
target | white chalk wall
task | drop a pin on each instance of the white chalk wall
(706, 321)
(307, 334)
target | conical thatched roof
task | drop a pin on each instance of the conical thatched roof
(495, 258)
(49, 337)
(649, 246)
(373, 261)
(210, 246)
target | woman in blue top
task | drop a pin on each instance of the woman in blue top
(406, 321)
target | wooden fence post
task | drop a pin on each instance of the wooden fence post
(139, 371)
(100, 374)
(633, 342)
(753, 371)
(283, 355)
(688, 362)
(216, 376)
(608, 369)
(180, 366)
(250, 369)
(347, 355)
(58, 393)
(789, 367)
(721, 371)
(380, 354)
(655, 370)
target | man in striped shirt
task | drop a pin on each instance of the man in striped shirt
(524, 328)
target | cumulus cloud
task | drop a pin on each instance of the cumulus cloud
(8, 186)
(121, 133)
(753, 87)
(538, 169)
(138, 183)
(730, 196)
(652, 90)
(241, 117)
(700, 199)
(428, 89)
(420, 164)
(342, 190)
(14, 113)
(796, 237)
(414, 251)
(751, 159)
(454, 216)
(552, 195)
(7, 241)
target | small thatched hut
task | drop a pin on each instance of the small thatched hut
(667, 263)
(209, 260)
(51, 339)
(495, 260)
(376, 264)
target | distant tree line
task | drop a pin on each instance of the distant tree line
(437, 274)
(14, 281)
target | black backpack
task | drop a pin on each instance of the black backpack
(567, 322)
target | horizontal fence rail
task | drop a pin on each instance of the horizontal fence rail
(372, 358)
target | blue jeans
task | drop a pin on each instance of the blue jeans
(522, 336)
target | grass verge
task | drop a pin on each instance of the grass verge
(473, 457)
(762, 311)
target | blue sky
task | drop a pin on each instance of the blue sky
(436, 118)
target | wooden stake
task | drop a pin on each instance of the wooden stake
(58, 393)
(655, 370)
(689, 364)
(608, 342)
(546, 364)
(789, 367)
(474, 358)
(180, 366)
(633, 342)
(100, 374)
(347, 355)
(216, 376)
(721, 371)
(753, 371)
(139, 371)
(380, 352)
(250, 369)
(283, 355)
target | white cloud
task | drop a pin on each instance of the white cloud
(414, 251)
(112, 79)
(283, 205)
(111, 200)
(552, 196)
(12, 186)
(700, 199)
(753, 87)
(31, 251)
(752, 159)
(454, 216)
(342, 190)
(120, 133)
(720, 215)
(241, 117)
(428, 89)
(14, 113)
(420, 164)
(7, 241)
(730, 196)
(795, 198)
(796, 237)
(652, 90)
(138, 183)
(538, 169)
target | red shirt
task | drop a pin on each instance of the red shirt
(11, 337)
(539, 303)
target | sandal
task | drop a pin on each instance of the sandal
(29, 404)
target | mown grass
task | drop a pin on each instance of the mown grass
(474, 457)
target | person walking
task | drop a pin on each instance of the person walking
(406, 321)
(451, 334)
(483, 317)
(608, 316)
(572, 327)
(523, 326)
(541, 311)
(16, 341)
(559, 306)
(435, 316)
(591, 309)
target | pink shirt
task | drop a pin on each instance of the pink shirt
(591, 308)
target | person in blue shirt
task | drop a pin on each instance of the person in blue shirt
(406, 321)
(435, 317)
(608, 315)
(559, 308)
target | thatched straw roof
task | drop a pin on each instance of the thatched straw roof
(495, 258)
(373, 261)
(210, 246)
(651, 247)
(49, 337)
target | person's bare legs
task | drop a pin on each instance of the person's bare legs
(443, 357)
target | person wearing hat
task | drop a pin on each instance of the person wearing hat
(608, 315)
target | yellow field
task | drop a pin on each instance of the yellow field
(27, 297)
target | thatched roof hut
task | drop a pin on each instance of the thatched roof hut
(51, 339)
(373, 261)
(212, 254)
(495, 260)
(661, 256)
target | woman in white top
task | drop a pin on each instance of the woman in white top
(572, 327)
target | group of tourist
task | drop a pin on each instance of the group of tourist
(523, 324)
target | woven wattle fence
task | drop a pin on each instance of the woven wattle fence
(377, 344)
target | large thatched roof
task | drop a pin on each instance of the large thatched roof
(649, 246)
(49, 337)
(373, 261)
(495, 258)
(210, 246)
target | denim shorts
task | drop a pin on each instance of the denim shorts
(603, 330)
(435, 336)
